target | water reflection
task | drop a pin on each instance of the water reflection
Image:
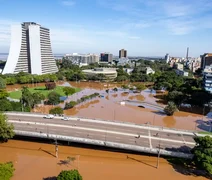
(108, 106)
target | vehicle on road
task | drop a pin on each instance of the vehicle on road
(65, 118)
(49, 116)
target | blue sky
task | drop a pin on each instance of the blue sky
(143, 27)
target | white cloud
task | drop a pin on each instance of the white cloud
(68, 3)
(177, 17)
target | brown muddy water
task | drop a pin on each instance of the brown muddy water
(108, 107)
(35, 161)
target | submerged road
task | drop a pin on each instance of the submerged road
(107, 131)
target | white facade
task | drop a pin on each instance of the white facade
(149, 70)
(35, 49)
(82, 59)
(167, 58)
(30, 50)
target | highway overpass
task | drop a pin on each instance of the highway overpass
(114, 134)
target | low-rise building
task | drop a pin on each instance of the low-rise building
(181, 73)
(109, 73)
(149, 70)
(179, 66)
(123, 61)
(128, 70)
(82, 59)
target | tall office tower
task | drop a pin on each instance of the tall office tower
(106, 57)
(30, 50)
(187, 53)
(206, 60)
(167, 57)
(122, 53)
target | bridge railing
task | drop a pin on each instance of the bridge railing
(114, 121)
(105, 143)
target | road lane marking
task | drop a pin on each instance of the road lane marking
(150, 142)
(100, 130)
(110, 123)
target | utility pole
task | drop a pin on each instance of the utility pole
(158, 156)
(56, 149)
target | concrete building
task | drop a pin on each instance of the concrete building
(206, 60)
(167, 57)
(110, 73)
(106, 57)
(149, 70)
(82, 59)
(207, 78)
(179, 66)
(30, 50)
(181, 72)
(122, 53)
(123, 61)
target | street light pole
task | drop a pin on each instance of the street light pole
(158, 158)
(56, 148)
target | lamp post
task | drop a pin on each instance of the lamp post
(158, 158)
(56, 148)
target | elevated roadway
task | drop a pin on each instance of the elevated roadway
(142, 138)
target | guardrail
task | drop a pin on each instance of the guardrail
(115, 122)
(105, 144)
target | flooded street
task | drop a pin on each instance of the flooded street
(108, 107)
(36, 161)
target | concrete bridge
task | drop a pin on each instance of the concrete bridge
(114, 134)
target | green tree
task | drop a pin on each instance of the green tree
(124, 86)
(10, 80)
(140, 87)
(27, 98)
(69, 175)
(53, 98)
(56, 110)
(69, 91)
(2, 83)
(5, 105)
(176, 96)
(170, 108)
(121, 75)
(37, 98)
(6, 129)
(6, 170)
(25, 79)
(3, 94)
(168, 80)
(115, 89)
(70, 105)
(203, 153)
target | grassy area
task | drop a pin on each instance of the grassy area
(42, 89)
(209, 133)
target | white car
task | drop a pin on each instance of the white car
(49, 116)
(65, 118)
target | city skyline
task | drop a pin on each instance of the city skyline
(143, 28)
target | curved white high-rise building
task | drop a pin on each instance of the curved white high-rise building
(30, 50)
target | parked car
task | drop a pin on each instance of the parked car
(49, 116)
(65, 118)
